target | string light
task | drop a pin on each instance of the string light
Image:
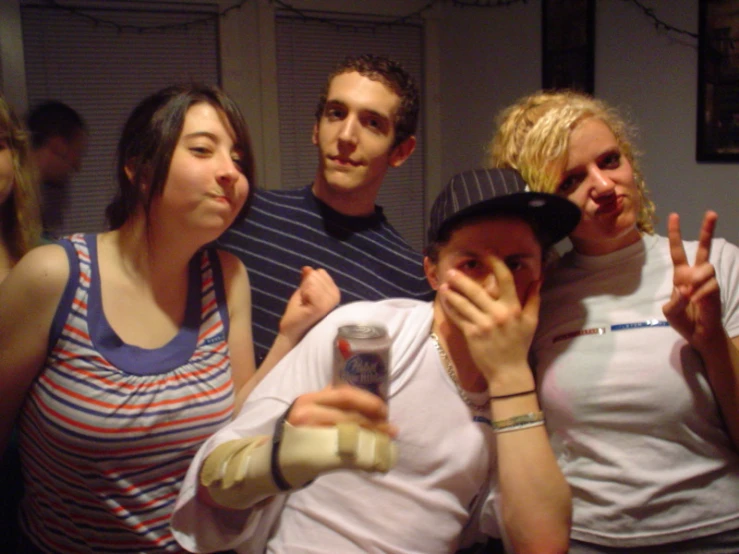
(84, 13)
(412, 17)
(658, 23)
(345, 23)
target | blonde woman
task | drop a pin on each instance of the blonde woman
(637, 349)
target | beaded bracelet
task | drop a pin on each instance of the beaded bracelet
(523, 421)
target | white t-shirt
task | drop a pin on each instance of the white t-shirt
(421, 505)
(631, 415)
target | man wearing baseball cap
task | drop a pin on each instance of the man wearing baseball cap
(458, 452)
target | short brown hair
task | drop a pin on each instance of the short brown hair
(391, 74)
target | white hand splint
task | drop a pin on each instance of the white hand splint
(240, 473)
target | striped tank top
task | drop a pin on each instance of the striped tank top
(108, 429)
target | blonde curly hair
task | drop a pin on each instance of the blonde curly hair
(20, 228)
(533, 136)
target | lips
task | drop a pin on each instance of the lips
(612, 205)
(220, 198)
(344, 161)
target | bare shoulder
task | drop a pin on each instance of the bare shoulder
(29, 297)
(233, 268)
(43, 272)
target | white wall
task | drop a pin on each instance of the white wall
(656, 76)
(490, 57)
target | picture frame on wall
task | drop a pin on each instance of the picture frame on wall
(718, 81)
(568, 44)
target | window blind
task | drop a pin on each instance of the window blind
(103, 70)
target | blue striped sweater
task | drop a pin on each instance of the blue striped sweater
(285, 230)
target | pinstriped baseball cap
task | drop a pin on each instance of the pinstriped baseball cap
(501, 192)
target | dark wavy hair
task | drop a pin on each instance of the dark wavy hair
(148, 141)
(391, 74)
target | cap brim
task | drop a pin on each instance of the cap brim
(555, 216)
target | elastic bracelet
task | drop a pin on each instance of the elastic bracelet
(502, 396)
(531, 417)
(518, 427)
(277, 475)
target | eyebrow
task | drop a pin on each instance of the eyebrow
(335, 102)
(615, 149)
(197, 134)
(610, 151)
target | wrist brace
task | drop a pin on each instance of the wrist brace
(240, 473)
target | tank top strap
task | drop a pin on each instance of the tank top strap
(214, 310)
(81, 247)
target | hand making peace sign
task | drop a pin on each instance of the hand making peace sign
(694, 310)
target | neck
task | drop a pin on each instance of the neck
(359, 203)
(148, 254)
(600, 248)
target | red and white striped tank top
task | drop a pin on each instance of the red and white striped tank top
(108, 429)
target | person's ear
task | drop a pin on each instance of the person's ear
(314, 138)
(429, 268)
(144, 175)
(402, 151)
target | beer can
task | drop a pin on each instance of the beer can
(362, 357)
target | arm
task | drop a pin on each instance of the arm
(29, 297)
(316, 296)
(336, 428)
(203, 527)
(722, 365)
(238, 299)
(535, 498)
(694, 311)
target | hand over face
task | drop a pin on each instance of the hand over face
(498, 329)
(316, 296)
(694, 310)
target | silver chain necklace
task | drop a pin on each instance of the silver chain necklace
(485, 406)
